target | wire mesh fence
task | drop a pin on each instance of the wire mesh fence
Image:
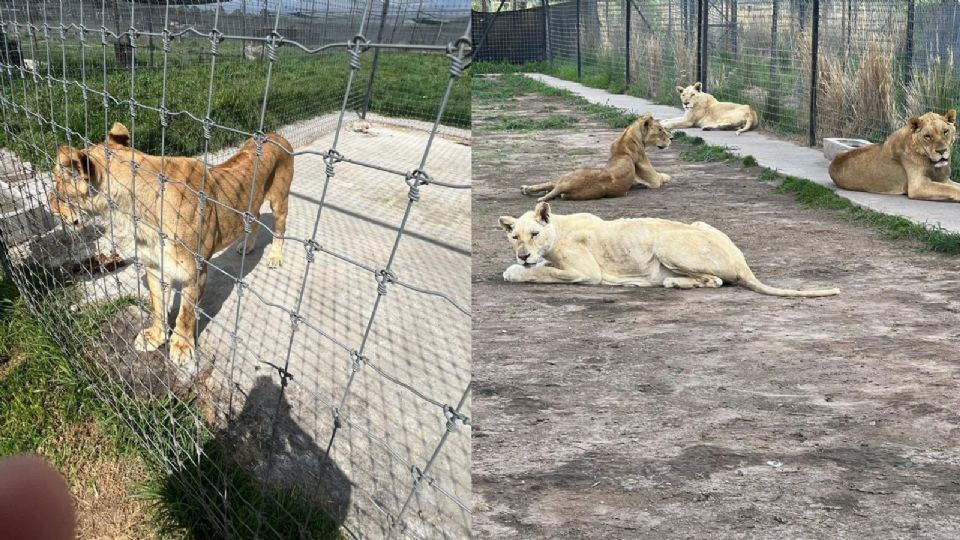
(316, 378)
(811, 68)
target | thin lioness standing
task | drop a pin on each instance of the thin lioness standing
(627, 166)
(702, 110)
(645, 252)
(914, 160)
(88, 180)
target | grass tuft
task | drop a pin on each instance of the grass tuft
(769, 175)
(749, 161)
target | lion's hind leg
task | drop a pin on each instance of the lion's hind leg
(692, 282)
(537, 188)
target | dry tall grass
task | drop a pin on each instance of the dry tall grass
(856, 95)
(936, 88)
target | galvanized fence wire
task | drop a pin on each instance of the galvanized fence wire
(57, 87)
(877, 62)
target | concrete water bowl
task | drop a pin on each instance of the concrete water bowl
(837, 145)
(23, 213)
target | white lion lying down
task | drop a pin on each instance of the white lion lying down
(644, 252)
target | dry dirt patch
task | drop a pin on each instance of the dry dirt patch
(607, 412)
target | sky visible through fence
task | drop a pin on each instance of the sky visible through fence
(330, 391)
(878, 61)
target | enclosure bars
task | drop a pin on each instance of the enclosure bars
(579, 60)
(376, 60)
(208, 124)
(814, 57)
(626, 48)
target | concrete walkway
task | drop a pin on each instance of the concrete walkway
(785, 157)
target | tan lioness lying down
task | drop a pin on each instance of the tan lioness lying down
(914, 160)
(702, 110)
(84, 181)
(627, 166)
(645, 252)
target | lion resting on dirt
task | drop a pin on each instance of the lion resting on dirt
(645, 252)
(702, 110)
(89, 180)
(914, 160)
(628, 165)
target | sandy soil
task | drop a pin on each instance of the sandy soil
(605, 412)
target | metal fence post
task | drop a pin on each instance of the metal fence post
(376, 60)
(626, 62)
(546, 29)
(579, 60)
(699, 39)
(908, 46)
(704, 31)
(814, 53)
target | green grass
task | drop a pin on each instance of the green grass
(511, 85)
(749, 161)
(43, 396)
(769, 175)
(407, 84)
(814, 195)
(522, 123)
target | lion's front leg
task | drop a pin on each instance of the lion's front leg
(678, 123)
(546, 274)
(646, 175)
(921, 187)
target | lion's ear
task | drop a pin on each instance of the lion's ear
(119, 135)
(679, 89)
(542, 212)
(913, 123)
(697, 85)
(951, 116)
(507, 223)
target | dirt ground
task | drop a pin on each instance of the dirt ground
(605, 412)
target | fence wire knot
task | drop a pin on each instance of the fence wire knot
(337, 421)
(201, 200)
(358, 361)
(248, 219)
(215, 38)
(311, 247)
(165, 39)
(454, 416)
(333, 157)
(164, 117)
(241, 286)
(384, 277)
(259, 138)
(274, 41)
(132, 34)
(416, 179)
(103, 35)
(207, 128)
(356, 46)
(419, 476)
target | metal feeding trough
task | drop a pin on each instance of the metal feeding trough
(834, 146)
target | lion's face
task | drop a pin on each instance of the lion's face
(690, 96)
(71, 185)
(653, 133)
(532, 234)
(74, 176)
(933, 135)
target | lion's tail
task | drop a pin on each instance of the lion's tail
(750, 281)
(751, 122)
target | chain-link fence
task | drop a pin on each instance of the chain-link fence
(325, 388)
(811, 68)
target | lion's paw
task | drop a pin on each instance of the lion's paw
(181, 351)
(149, 340)
(514, 273)
(275, 261)
(664, 178)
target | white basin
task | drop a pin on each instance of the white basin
(834, 146)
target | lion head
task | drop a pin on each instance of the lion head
(691, 95)
(532, 234)
(77, 175)
(932, 135)
(644, 131)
